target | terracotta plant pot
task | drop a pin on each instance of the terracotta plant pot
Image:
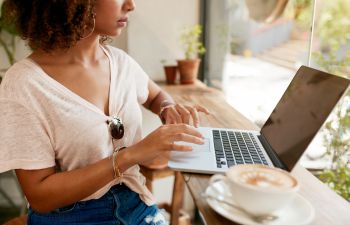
(170, 74)
(188, 69)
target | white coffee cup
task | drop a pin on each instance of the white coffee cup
(259, 189)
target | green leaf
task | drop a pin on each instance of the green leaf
(190, 40)
(338, 180)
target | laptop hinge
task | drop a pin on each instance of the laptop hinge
(277, 162)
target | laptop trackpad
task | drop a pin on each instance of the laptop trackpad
(197, 148)
(198, 151)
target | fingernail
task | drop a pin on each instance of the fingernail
(201, 141)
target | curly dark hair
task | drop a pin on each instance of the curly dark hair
(50, 24)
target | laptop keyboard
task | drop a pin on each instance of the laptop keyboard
(232, 148)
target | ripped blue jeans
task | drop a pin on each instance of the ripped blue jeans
(119, 206)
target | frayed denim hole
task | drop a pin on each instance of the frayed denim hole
(156, 219)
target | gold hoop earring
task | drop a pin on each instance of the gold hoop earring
(93, 28)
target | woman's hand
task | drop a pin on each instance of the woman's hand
(176, 114)
(163, 140)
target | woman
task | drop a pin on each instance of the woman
(62, 110)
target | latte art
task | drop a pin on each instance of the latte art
(259, 189)
(265, 178)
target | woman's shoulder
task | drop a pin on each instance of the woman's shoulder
(117, 53)
(17, 78)
(114, 50)
(18, 72)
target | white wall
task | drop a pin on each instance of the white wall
(121, 41)
(154, 29)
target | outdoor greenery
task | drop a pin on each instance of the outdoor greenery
(302, 9)
(338, 180)
(301, 12)
(335, 21)
(333, 32)
(190, 40)
(7, 39)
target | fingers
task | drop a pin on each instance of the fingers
(183, 148)
(184, 128)
(185, 114)
(178, 113)
(202, 109)
(169, 119)
(188, 138)
(175, 115)
(194, 114)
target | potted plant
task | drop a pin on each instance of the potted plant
(188, 67)
(170, 71)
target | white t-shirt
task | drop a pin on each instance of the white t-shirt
(44, 124)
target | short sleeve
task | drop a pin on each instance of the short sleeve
(141, 80)
(24, 142)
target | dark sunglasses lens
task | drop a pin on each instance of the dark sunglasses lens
(116, 128)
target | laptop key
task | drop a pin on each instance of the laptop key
(237, 148)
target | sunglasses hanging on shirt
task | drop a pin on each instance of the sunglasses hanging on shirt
(116, 127)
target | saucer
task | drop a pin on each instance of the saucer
(299, 212)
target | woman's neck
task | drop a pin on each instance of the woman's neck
(85, 52)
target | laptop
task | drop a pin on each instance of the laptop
(300, 113)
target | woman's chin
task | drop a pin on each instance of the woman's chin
(114, 33)
(118, 32)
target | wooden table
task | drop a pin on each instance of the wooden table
(330, 208)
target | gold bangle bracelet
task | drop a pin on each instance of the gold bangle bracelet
(117, 173)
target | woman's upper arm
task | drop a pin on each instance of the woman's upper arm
(30, 181)
(153, 91)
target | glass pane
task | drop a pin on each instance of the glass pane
(331, 53)
(264, 56)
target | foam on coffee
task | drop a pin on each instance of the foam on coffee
(264, 177)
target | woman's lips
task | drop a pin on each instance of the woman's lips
(122, 22)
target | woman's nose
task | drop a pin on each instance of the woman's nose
(129, 5)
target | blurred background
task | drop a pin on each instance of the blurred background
(253, 49)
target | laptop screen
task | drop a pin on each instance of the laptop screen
(301, 111)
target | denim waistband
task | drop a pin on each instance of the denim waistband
(107, 200)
